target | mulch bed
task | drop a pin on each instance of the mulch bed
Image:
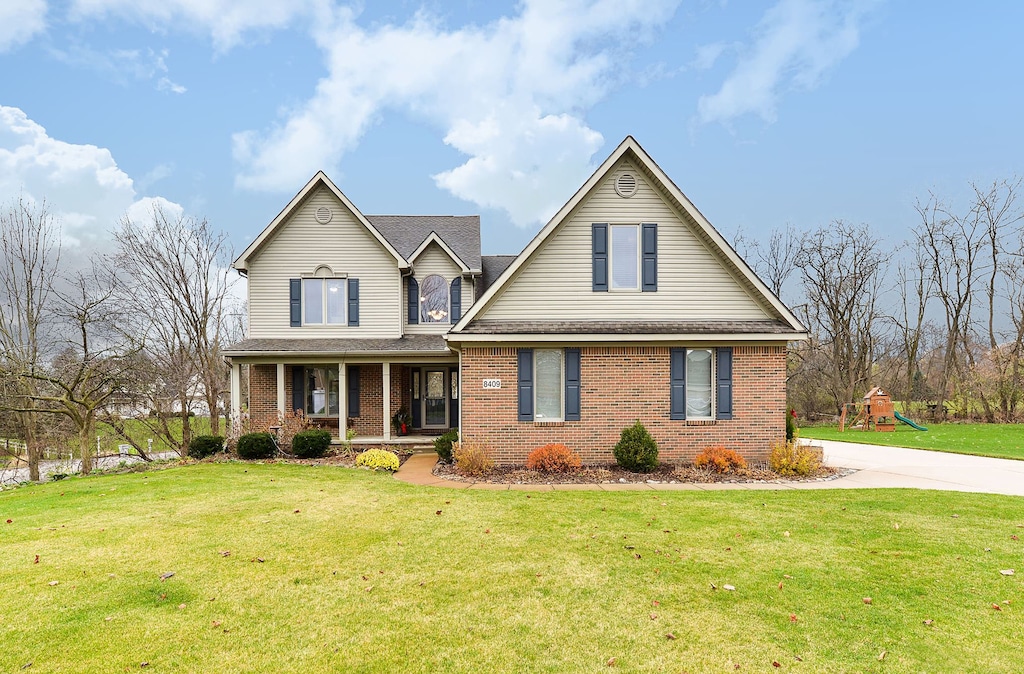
(664, 473)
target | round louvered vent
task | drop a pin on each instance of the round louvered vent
(625, 185)
(323, 215)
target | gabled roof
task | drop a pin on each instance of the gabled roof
(434, 238)
(242, 263)
(461, 233)
(705, 231)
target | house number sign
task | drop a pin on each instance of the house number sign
(492, 383)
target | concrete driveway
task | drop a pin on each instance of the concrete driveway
(879, 466)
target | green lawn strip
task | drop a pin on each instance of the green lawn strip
(366, 577)
(1004, 441)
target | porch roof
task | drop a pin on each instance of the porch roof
(410, 344)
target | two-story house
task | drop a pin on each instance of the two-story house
(627, 305)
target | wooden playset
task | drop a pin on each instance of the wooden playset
(875, 408)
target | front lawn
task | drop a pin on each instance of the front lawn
(1004, 441)
(285, 568)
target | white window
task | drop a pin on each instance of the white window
(699, 383)
(434, 300)
(548, 384)
(321, 391)
(625, 257)
(323, 301)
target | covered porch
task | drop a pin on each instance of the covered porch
(404, 398)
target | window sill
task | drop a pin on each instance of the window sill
(548, 422)
(701, 422)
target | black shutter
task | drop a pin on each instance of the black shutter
(650, 257)
(353, 302)
(353, 390)
(525, 384)
(295, 301)
(456, 300)
(414, 301)
(677, 405)
(298, 389)
(599, 237)
(724, 381)
(572, 384)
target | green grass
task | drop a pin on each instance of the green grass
(361, 575)
(1004, 441)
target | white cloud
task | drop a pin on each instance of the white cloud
(82, 183)
(122, 65)
(797, 43)
(164, 84)
(509, 94)
(225, 20)
(19, 21)
(707, 54)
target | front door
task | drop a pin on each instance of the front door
(435, 398)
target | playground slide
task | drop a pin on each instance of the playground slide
(908, 422)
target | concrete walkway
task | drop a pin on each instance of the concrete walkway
(876, 466)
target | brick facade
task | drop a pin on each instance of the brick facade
(370, 422)
(620, 384)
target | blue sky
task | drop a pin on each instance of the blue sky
(796, 111)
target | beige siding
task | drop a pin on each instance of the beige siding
(433, 260)
(299, 246)
(557, 282)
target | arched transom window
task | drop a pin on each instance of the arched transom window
(434, 300)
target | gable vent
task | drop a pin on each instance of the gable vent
(323, 215)
(625, 185)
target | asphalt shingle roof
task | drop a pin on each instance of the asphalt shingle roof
(496, 327)
(406, 232)
(410, 343)
(492, 266)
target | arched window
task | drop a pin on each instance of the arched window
(434, 300)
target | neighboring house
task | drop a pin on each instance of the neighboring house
(627, 305)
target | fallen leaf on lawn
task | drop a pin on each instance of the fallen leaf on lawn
(728, 549)
(26, 665)
(637, 555)
(1014, 537)
(881, 656)
(611, 662)
(786, 575)
(654, 616)
(988, 549)
(9, 521)
(143, 664)
(163, 596)
(997, 607)
(1007, 572)
(780, 584)
(165, 576)
(730, 588)
(797, 657)
(775, 663)
(792, 617)
(54, 582)
(895, 525)
(216, 623)
(181, 607)
(296, 510)
(954, 516)
(366, 578)
(438, 512)
(257, 559)
(1006, 601)
(713, 586)
(655, 603)
(786, 534)
(867, 600)
(629, 547)
(369, 588)
(929, 621)
(226, 553)
(736, 666)
(670, 636)
(422, 584)
(108, 618)
(487, 531)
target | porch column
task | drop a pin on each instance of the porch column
(236, 391)
(386, 385)
(280, 390)
(342, 402)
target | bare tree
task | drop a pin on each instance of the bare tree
(92, 366)
(775, 261)
(29, 261)
(915, 288)
(842, 271)
(176, 280)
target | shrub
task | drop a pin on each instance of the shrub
(443, 444)
(203, 446)
(793, 458)
(311, 444)
(636, 450)
(472, 458)
(256, 446)
(553, 458)
(720, 460)
(790, 424)
(287, 426)
(378, 459)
